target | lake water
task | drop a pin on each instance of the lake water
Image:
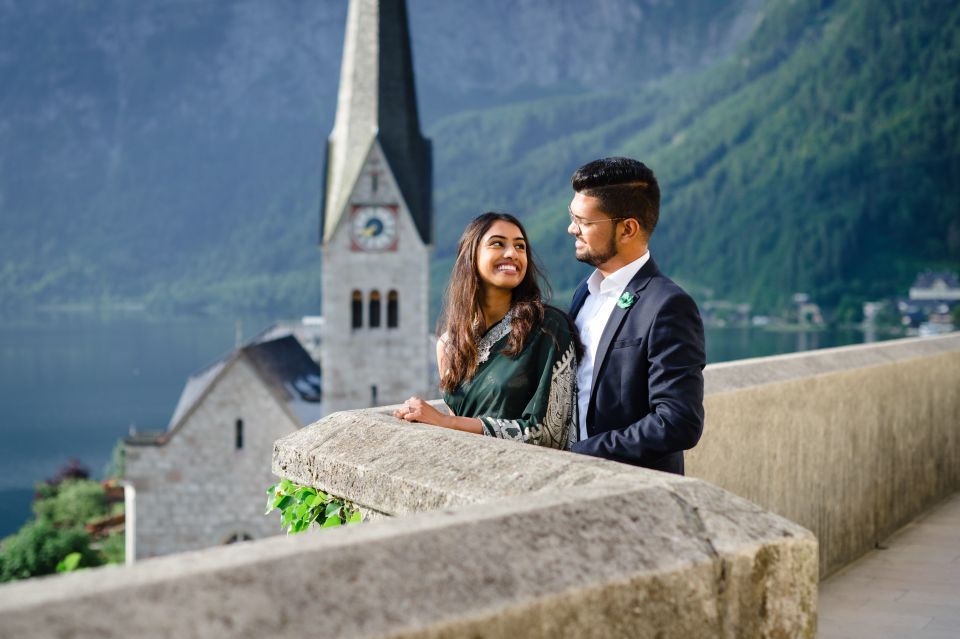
(72, 385)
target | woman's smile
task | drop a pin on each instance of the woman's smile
(502, 255)
(508, 267)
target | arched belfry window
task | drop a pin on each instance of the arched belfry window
(356, 310)
(238, 434)
(375, 309)
(393, 309)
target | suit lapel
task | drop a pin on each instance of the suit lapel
(579, 296)
(636, 286)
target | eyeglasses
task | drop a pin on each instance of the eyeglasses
(579, 223)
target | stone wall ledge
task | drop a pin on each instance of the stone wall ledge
(656, 556)
(757, 371)
(852, 442)
(727, 546)
(397, 468)
(494, 539)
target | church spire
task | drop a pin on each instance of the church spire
(377, 101)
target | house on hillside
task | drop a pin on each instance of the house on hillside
(935, 287)
(202, 481)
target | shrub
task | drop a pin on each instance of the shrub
(39, 546)
(74, 502)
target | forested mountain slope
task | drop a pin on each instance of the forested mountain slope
(821, 157)
(171, 152)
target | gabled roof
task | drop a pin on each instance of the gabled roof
(377, 101)
(144, 438)
(928, 279)
(281, 364)
(287, 369)
(196, 386)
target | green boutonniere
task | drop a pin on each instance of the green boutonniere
(627, 300)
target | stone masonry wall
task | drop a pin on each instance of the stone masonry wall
(521, 541)
(197, 489)
(396, 360)
(852, 443)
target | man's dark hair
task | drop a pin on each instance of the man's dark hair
(625, 188)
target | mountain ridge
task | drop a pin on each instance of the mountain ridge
(171, 153)
(770, 161)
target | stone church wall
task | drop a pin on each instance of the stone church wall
(198, 489)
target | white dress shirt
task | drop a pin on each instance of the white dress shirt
(592, 319)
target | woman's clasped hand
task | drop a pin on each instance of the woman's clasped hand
(419, 410)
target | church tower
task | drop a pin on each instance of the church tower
(375, 221)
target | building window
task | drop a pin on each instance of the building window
(238, 432)
(393, 310)
(374, 182)
(375, 309)
(356, 310)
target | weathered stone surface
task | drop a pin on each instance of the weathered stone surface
(760, 578)
(851, 443)
(399, 468)
(521, 542)
(602, 560)
(758, 371)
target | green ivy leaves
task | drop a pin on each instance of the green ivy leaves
(301, 506)
(70, 563)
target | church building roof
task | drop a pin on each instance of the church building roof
(377, 101)
(290, 373)
(282, 365)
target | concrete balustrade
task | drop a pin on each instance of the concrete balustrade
(611, 549)
(494, 539)
(851, 443)
(510, 540)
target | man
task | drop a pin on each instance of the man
(640, 383)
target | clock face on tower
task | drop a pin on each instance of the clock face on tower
(374, 227)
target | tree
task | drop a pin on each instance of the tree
(117, 466)
(39, 546)
(75, 502)
(73, 469)
(61, 512)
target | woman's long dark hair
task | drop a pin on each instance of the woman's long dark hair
(462, 317)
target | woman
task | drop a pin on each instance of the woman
(507, 362)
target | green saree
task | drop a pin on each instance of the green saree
(531, 397)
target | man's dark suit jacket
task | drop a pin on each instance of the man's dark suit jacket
(646, 403)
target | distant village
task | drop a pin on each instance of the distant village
(931, 307)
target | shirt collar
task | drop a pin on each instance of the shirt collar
(614, 283)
